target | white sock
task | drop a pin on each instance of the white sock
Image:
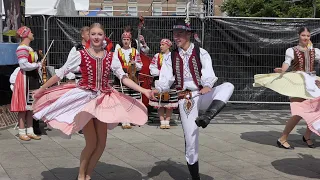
(163, 122)
(167, 122)
(22, 131)
(30, 130)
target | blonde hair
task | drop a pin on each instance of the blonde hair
(98, 25)
(84, 28)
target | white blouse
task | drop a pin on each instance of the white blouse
(144, 49)
(23, 54)
(166, 78)
(290, 55)
(74, 61)
(154, 71)
(126, 53)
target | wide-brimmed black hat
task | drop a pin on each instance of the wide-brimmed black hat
(180, 24)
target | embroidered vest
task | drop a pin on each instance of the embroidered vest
(300, 62)
(95, 72)
(159, 62)
(194, 65)
(122, 58)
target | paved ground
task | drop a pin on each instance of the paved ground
(240, 144)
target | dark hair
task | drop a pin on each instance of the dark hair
(128, 29)
(302, 29)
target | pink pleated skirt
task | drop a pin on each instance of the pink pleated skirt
(69, 108)
(309, 110)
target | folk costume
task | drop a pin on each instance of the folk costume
(125, 56)
(76, 75)
(69, 107)
(26, 79)
(134, 44)
(190, 71)
(300, 82)
(168, 100)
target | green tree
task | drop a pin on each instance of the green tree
(271, 8)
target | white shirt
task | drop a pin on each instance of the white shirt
(143, 49)
(166, 78)
(290, 55)
(126, 53)
(74, 61)
(154, 71)
(23, 52)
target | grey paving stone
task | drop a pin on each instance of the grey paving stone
(30, 173)
(18, 159)
(3, 174)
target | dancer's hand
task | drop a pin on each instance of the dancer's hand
(147, 93)
(278, 70)
(318, 83)
(142, 40)
(205, 90)
(153, 92)
(37, 93)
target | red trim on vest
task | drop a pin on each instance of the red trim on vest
(95, 76)
(190, 67)
(158, 62)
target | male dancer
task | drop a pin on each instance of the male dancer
(190, 68)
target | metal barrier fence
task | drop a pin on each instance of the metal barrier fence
(239, 47)
(243, 47)
(37, 24)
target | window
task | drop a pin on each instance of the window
(181, 10)
(133, 10)
(156, 11)
(108, 10)
(108, 0)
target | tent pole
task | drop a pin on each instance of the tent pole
(1, 25)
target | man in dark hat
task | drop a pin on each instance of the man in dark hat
(189, 68)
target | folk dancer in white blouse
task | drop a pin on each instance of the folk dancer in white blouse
(190, 68)
(92, 105)
(134, 42)
(25, 80)
(128, 57)
(168, 101)
(298, 85)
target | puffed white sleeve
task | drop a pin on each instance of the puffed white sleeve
(116, 66)
(166, 78)
(208, 77)
(117, 47)
(154, 71)
(73, 62)
(138, 61)
(289, 56)
(317, 54)
(22, 55)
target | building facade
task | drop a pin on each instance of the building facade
(142, 7)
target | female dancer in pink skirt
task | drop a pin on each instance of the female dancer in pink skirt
(91, 105)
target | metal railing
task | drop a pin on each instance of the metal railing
(239, 47)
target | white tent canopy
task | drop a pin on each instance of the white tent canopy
(54, 7)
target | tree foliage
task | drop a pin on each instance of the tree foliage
(271, 8)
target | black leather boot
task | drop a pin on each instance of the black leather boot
(36, 127)
(215, 107)
(194, 171)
